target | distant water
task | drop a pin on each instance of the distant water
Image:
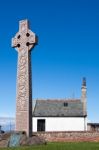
(7, 123)
(8, 127)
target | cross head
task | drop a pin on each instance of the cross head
(25, 39)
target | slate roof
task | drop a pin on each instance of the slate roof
(56, 108)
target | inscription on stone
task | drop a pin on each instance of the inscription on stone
(24, 41)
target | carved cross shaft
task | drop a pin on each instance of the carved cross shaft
(25, 38)
(24, 41)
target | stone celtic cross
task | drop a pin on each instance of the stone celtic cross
(24, 41)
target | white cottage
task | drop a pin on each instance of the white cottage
(61, 115)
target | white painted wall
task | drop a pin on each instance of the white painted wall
(61, 123)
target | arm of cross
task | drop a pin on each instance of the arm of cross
(32, 39)
(15, 42)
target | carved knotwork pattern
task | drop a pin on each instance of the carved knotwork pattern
(23, 81)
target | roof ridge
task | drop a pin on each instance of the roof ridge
(59, 100)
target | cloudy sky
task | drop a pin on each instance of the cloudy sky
(67, 51)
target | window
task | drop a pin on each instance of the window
(65, 104)
(41, 125)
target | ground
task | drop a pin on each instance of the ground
(60, 146)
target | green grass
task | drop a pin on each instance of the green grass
(60, 146)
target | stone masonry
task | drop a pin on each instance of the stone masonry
(76, 136)
(24, 41)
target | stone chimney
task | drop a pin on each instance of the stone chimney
(84, 96)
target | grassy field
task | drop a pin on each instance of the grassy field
(59, 146)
